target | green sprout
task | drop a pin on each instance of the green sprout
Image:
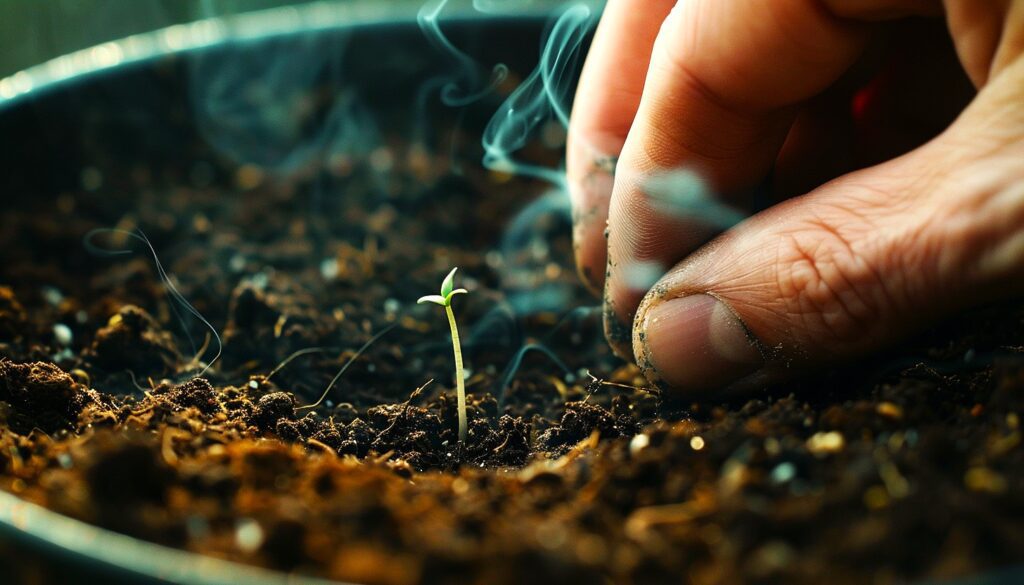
(445, 300)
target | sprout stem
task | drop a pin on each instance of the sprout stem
(444, 299)
(459, 378)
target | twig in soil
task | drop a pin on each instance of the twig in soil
(405, 409)
(352, 359)
(322, 446)
(596, 383)
(416, 393)
(517, 361)
(172, 291)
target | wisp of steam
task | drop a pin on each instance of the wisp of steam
(254, 104)
(464, 86)
(545, 93)
(176, 298)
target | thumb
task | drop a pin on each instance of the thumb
(852, 266)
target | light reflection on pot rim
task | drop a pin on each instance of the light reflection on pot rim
(180, 38)
(128, 556)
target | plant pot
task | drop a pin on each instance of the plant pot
(142, 104)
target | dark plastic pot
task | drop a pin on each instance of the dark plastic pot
(134, 101)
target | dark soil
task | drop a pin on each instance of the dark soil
(909, 466)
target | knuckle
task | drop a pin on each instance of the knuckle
(828, 287)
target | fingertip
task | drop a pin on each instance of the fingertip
(694, 344)
(624, 287)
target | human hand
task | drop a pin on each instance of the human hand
(755, 96)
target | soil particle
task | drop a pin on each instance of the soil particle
(357, 437)
(267, 321)
(579, 421)
(272, 408)
(196, 393)
(134, 341)
(43, 394)
(411, 431)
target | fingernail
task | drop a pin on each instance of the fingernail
(696, 343)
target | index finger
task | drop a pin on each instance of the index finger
(606, 101)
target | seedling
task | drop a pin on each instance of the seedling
(445, 300)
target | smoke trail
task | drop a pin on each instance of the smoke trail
(282, 103)
(517, 361)
(466, 70)
(684, 194)
(172, 291)
(526, 246)
(543, 94)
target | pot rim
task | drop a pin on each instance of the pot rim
(322, 15)
(128, 556)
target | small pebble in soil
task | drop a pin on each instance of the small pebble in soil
(52, 295)
(825, 443)
(639, 443)
(889, 410)
(62, 334)
(783, 472)
(248, 535)
(329, 268)
(983, 479)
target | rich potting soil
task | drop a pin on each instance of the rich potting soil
(113, 411)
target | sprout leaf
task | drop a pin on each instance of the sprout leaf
(436, 299)
(449, 283)
(458, 291)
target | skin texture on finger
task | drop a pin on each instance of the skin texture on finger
(724, 81)
(854, 265)
(607, 98)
